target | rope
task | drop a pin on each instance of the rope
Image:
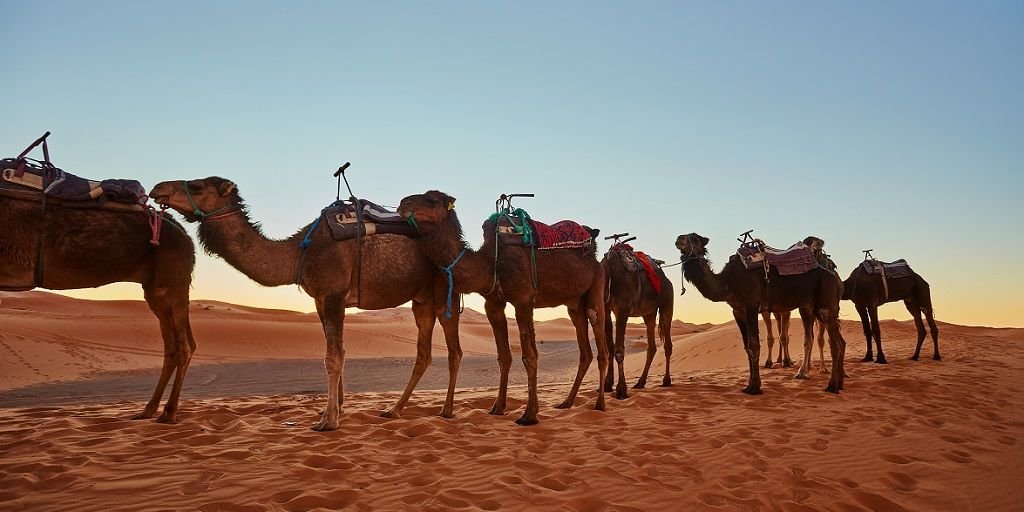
(451, 282)
(195, 208)
(155, 221)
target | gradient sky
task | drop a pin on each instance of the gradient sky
(895, 126)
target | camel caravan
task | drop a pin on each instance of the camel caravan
(60, 232)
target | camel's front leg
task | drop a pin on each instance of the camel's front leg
(424, 313)
(767, 317)
(183, 356)
(652, 349)
(807, 317)
(332, 317)
(495, 310)
(451, 339)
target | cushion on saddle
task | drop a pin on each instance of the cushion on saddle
(633, 260)
(894, 270)
(517, 228)
(796, 260)
(341, 218)
(626, 256)
(72, 190)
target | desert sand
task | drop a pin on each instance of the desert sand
(910, 435)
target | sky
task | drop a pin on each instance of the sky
(893, 126)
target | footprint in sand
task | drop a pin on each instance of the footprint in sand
(900, 482)
(201, 484)
(958, 456)
(896, 459)
(820, 444)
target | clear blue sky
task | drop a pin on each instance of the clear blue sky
(897, 126)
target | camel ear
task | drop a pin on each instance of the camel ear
(704, 240)
(226, 188)
(450, 202)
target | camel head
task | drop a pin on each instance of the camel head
(198, 199)
(816, 244)
(427, 211)
(692, 245)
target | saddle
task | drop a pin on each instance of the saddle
(33, 180)
(798, 259)
(517, 228)
(893, 270)
(345, 224)
(632, 261)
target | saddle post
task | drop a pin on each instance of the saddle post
(868, 255)
(340, 174)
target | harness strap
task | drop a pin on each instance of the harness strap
(451, 282)
(155, 222)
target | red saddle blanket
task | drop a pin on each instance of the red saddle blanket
(796, 260)
(564, 234)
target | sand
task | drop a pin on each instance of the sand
(910, 435)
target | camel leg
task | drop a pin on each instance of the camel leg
(451, 339)
(528, 341)
(821, 347)
(752, 345)
(930, 315)
(837, 347)
(332, 316)
(170, 353)
(876, 331)
(767, 316)
(620, 356)
(495, 310)
(665, 324)
(185, 342)
(579, 321)
(424, 314)
(596, 311)
(784, 339)
(807, 317)
(865, 322)
(652, 349)
(609, 335)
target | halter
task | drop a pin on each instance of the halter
(683, 259)
(200, 213)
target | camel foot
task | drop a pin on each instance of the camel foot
(497, 410)
(868, 358)
(937, 357)
(824, 370)
(788, 363)
(446, 412)
(599, 405)
(608, 388)
(620, 393)
(391, 413)
(564, 405)
(526, 420)
(801, 376)
(167, 417)
(832, 388)
(881, 360)
(325, 426)
(144, 415)
(768, 364)
(752, 390)
(666, 382)
(640, 384)
(915, 357)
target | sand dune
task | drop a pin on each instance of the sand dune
(910, 435)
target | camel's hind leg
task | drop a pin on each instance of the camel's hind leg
(752, 346)
(652, 348)
(783, 319)
(171, 308)
(930, 315)
(579, 320)
(528, 342)
(609, 335)
(495, 310)
(595, 312)
(424, 314)
(865, 322)
(767, 317)
(807, 317)
(620, 356)
(665, 326)
(876, 331)
(821, 347)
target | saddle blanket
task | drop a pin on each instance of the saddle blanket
(341, 218)
(796, 260)
(29, 174)
(893, 270)
(517, 228)
(632, 261)
(652, 275)
(564, 234)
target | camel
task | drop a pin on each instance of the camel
(502, 274)
(782, 318)
(86, 248)
(867, 292)
(631, 294)
(814, 293)
(392, 273)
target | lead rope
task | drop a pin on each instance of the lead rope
(156, 220)
(451, 282)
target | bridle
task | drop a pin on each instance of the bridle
(219, 213)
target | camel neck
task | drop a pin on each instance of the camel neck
(243, 246)
(712, 286)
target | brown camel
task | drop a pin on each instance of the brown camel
(868, 291)
(86, 248)
(814, 293)
(782, 318)
(503, 274)
(630, 293)
(392, 273)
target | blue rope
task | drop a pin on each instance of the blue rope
(451, 283)
(308, 239)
